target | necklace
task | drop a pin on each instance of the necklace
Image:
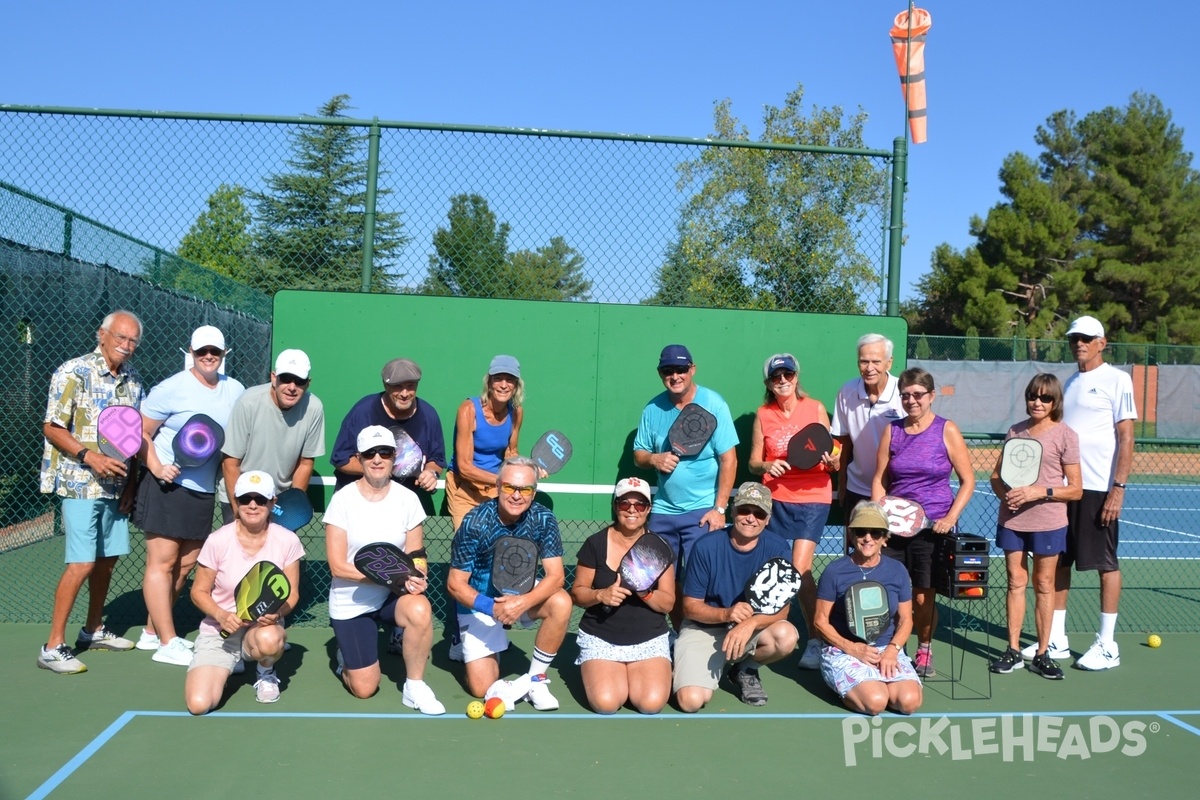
(866, 572)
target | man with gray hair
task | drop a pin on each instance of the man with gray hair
(96, 490)
(864, 406)
(483, 616)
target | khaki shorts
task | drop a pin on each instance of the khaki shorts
(211, 650)
(699, 660)
(463, 495)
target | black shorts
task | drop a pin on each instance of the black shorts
(172, 510)
(916, 554)
(1090, 545)
(358, 637)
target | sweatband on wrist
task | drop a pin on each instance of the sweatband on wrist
(483, 604)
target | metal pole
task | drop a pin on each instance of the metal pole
(896, 223)
(369, 216)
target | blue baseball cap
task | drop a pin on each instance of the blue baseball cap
(784, 361)
(505, 365)
(674, 355)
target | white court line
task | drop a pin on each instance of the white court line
(1161, 530)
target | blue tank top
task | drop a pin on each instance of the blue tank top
(491, 441)
(919, 467)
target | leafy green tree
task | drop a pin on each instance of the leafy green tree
(971, 346)
(311, 220)
(471, 259)
(220, 237)
(776, 229)
(1106, 221)
(922, 350)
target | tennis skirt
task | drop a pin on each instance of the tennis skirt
(172, 510)
(842, 671)
(593, 648)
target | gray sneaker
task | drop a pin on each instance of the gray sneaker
(749, 687)
(60, 660)
(396, 642)
(101, 639)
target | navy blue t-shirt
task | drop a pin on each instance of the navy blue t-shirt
(424, 426)
(717, 573)
(840, 575)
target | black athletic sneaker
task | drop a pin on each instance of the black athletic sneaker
(747, 685)
(1010, 660)
(1043, 665)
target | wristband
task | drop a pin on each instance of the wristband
(648, 595)
(483, 604)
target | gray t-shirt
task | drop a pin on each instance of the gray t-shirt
(267, 438)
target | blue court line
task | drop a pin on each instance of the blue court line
(75, 763)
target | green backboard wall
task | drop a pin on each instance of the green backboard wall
(588, 368)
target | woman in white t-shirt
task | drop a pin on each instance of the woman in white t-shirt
(376, 509)
(1033, 519)
(226, 557)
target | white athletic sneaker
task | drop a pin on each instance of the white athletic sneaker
(174, 652)
(418, 695)
(1101, 655)
(266, 688)
(812, 655)
(511, 692)
(539, 694)
(101, 639)
(61, 660)
(1058, 651)
(148, 640)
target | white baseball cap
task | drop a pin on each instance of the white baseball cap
(293, 362)
(375, 436)
(255, 481)
(1086, 326)
(208, 336)
(632, 486)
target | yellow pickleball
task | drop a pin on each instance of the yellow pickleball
(475, 709)
(1154, 640)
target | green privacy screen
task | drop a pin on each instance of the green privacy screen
(588, 368)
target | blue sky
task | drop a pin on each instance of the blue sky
(995, 71)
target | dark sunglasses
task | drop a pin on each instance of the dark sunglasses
(289, 378)
(1080, 337)
(858, 534)
(755, 510)
(256, 499)
(385, 452)
(918, 396)
(786, 374)
(1046, 399)
(665, 371)
(208, 351)
(633, 505)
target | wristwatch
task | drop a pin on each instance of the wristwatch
(1118, 485)
(1049, 491)
(899, 649)
(81, 455)
(720, 509)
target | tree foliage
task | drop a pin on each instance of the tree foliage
(471, 259)
(220, 237)
(311, 221)
(772, 228)
(1106, 221)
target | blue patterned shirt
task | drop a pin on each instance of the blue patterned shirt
(481, 528)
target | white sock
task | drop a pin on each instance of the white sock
(1058, 626)
(1108, 626)
(540, 663)
(261, 670)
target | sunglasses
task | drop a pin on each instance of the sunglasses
(512, 488)
(208, 351)
(633, 505)
(858, 534)
(255, 499)
(289, 378)
(665, 371)
(384, 452)
(786, 374)
(1046, 399)
(755, 510)
(918, 396)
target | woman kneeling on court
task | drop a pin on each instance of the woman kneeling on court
(624, 655)
(869, 676)
(227, 555)
(377, 509)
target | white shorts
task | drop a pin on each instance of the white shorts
(483, 636)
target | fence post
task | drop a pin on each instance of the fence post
(896, 223)
(369, 213)
(68, 229)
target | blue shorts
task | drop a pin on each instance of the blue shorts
(358, 637)
(794, 521)
(1040, 543)
(681, 532)
(95, 529)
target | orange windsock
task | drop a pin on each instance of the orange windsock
(908, 45)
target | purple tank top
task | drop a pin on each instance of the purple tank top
(919, 467)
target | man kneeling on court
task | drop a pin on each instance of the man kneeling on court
(719, 628)
(484, 613)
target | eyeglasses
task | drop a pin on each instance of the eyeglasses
(633, 505)
(287, 378)
(512, 488)
(918, 396)
(1046, 399)
(858, 534)
(132, 341)
(255, 499)
(755, 510)
(666, 371)
(785, 374)
(384, 452)
(1081, 337)
(208, 351)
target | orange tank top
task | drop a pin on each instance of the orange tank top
(794, 486)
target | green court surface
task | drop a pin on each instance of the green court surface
(120, 730)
